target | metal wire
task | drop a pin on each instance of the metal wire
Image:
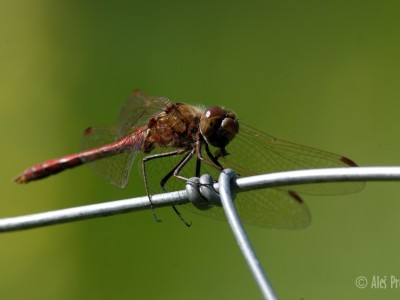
(198, 190)
(90, 211)
(181, 197)
(225, 179)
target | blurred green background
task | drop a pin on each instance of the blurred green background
(324, 74)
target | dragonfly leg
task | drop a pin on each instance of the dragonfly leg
(213, 158)
(214, 161)
(151, 157)
(175, 172)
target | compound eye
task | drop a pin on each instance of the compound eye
(218, 126)
(211, 118)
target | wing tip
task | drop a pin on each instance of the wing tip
(348, 161)
(88, 131)
(296, 196)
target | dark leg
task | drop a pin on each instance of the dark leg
(174, 172)
(198, 166)
(213, 159)
(150, 157)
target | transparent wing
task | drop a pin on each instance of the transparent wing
(253, 152)
(137, 110)
(115, 169)
(270, 208)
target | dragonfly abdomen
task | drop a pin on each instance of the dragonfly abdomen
(57, 165)
(48, 168)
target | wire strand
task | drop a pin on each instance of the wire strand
(180, 197)
(225, 179)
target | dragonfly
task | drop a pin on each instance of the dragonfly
(177, 141)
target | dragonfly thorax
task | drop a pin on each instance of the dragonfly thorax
(176, 127)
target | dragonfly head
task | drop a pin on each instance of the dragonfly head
(218, 126)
